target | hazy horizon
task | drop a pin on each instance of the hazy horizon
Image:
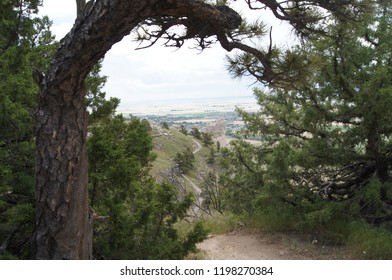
(188, 105)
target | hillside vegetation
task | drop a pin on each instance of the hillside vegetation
(352, 240)
(167, 143)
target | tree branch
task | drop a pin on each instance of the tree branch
(304, 15)
(357, 176)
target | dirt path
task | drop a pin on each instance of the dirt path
(244, 245)
(198, 146)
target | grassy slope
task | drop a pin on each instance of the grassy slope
(168, 144)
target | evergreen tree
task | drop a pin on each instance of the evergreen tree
(138, 215)
(195, 132)
(206, 138)
(212, 157)
(26, 46)
(183, 129)
(185, 160)
(326, 148)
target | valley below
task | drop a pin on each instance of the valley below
(216, 115)
(172, 123)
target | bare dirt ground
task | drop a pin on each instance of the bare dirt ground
(245, 245)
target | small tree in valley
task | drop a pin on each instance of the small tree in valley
(185, 160)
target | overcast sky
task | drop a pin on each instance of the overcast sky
(160, 73)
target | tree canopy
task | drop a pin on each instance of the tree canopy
(63, 226)
(26, 43)
(325, 153)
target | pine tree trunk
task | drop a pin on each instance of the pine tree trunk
(63, 223)
(63, 226)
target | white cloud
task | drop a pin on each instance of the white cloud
(159, 73)
(62, 13)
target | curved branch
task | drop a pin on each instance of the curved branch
(265, 59)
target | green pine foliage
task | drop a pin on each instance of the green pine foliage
(183, 129)
(185, 161)
(195, 132)
(325, 154)
(26, 43)
(99, 107)
(206, 138)
(137, 214)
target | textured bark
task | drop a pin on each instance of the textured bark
(80, 5)
(63, 222)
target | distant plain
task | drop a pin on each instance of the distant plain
(189, 106)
